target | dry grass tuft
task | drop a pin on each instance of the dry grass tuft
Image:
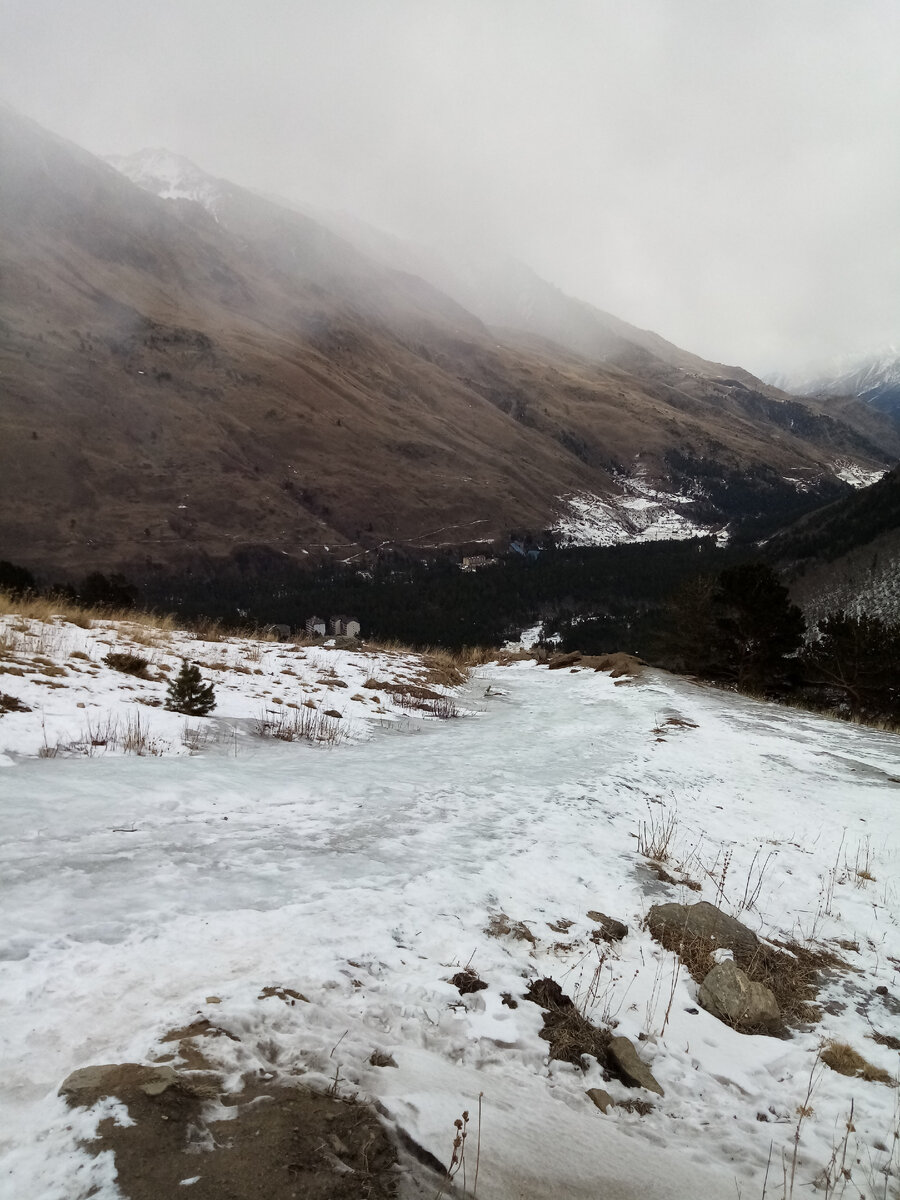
(306, 724)
(846, 1061)
(56, 608)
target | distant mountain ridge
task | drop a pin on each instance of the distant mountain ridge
(212, 372)
(847, 555)
(872, 378)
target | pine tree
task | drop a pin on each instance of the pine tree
(188, 694)
(858, 656)
(756, 626)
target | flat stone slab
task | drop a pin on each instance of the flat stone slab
(631, 1069)
(603, 1100)
(116, 1079)
(702, 920)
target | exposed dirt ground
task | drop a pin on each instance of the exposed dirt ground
(281, 1144)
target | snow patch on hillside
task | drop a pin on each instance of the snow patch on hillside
(642, 513)
(855, 475)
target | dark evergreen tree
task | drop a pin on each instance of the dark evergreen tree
(755, 627)
(188, 694)
(100, 591)
(16, 580)
(859, 658)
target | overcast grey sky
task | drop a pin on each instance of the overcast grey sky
(726, 172)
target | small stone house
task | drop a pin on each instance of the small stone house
(342, 626)
(315, 626)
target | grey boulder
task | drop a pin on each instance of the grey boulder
(701, 920)
(730, 995)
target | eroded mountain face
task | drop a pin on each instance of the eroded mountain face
(189, 375)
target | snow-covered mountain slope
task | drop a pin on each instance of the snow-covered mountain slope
(641, 513)
(848, 554)
(874, 378)
(143, 894)
(171, 177)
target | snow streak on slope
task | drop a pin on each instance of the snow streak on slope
(642, 513)
(365, 877)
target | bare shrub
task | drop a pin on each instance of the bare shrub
(301, 725)
(194, 737)
(438, 706)
(655, 835)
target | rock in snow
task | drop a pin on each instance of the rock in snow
(632, 1070)
(702, 920)
(728, 994)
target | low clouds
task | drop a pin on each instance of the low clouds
(724, 173)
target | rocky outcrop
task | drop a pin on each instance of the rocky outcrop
(730, 995)
(672, 923)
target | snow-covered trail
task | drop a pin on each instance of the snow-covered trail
(365, 876)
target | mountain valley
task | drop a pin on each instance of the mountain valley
(191, 377)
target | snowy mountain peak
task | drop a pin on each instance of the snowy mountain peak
(873, 377)
(171, 177)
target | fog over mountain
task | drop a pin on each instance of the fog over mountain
(724, 175)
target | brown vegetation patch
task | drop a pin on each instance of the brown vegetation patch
(200, 1028)
(500, 925)
(288, 995)
(128, 664)
(467, 981)
(11, 704)
(846, 1061)
(642, 1107)
(570, 1034)
(414, 691)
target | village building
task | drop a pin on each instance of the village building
(342, 626)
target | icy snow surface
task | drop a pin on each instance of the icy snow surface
(364, 877)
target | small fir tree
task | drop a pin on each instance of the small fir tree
(188, 694)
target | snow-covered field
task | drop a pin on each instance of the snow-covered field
(142, 892)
